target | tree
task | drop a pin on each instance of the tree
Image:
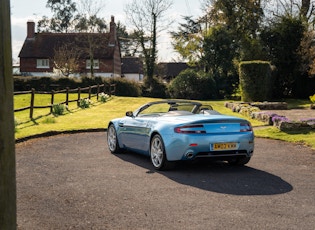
(219, 52)
(63, 15)
(129, 43)
(243, 20)
(188, 40)
(243, 17)
(7, 141)
(87, 19)
(88, 22)
(302, 9)
(307, 53)
(282, 40)
(145, 16)
(66, 59)
(70, 17)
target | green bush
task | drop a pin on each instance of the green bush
(45, 83)
(190, 84)
(125, 87)
(84, 103)
(255, 80)
(103, 97)
(154, 88)
(88, 81)
(58, 109)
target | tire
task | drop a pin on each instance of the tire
(112, 140)
(240, 161)
(157, 153)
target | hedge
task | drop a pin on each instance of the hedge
(255, 80)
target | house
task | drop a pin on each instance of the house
(132, 68)
(43, 53)
(169, 70)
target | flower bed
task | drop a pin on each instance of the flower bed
(253, 111)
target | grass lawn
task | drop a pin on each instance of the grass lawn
(99, 114)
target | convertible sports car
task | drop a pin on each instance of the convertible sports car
(179, 130)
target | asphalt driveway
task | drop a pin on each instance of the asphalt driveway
(73, 182)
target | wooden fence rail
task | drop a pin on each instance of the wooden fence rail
(109, 89)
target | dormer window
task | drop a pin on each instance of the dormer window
(42, 63)
(96, 64)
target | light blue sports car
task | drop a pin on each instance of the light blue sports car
(179, 130)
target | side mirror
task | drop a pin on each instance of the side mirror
(129, 114)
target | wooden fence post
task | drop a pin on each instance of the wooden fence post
(7, 140)
(97, 91)
(52, 100)
(32, 103)
(67, 96)
(79, 96)
(90, 92)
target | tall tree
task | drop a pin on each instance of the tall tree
(219, 53)
(87, 21)
(63, 14)
(282, 40)
(7, 142)
(129, 43)
(307, 53)
(188, 40)
(72, 17)
(242, 17)
(146, 16)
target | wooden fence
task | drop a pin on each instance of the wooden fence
(103, 88)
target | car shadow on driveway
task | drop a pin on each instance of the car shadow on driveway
(217, 177)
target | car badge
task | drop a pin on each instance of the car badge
(223, 127)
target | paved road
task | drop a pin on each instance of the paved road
(73, 182)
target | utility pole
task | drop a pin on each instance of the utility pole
(7, 140)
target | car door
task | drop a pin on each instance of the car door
(134, 133)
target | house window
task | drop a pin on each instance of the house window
(42, 63)
(96, 64)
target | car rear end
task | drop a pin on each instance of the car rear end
(221, 138)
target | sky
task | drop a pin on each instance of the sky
(23, 11)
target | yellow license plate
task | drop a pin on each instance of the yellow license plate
(224, 146)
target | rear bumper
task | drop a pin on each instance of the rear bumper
(222, 154)
(190, 147)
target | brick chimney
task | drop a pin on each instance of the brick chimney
(112, 31)
(30, 29)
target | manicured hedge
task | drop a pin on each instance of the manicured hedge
(255, 80)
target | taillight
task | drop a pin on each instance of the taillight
(190, 129)
(245, 127)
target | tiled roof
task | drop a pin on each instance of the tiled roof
(44, 44)
(131, 65)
